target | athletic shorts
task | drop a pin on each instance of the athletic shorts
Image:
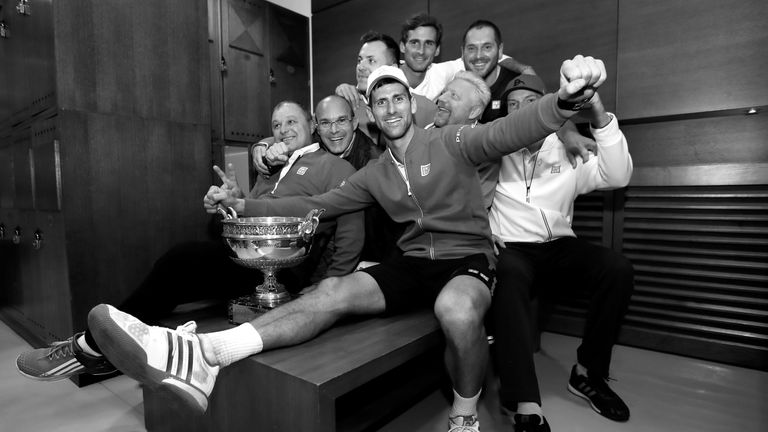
(412, 283)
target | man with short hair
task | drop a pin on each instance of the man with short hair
(426, 180)
(462, 102)
(203, 270)
(480, 51)
(531, 217)
(378, 50)
(339, 135)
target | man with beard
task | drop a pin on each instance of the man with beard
(481, 49)
(420, 39)
(426, 180)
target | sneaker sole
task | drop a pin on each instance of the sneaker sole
(131, 359)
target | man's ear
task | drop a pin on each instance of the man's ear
(413, 105)
(312, 125)
(437, 51)
(354, 121)
(475, 112)
(402, 47)
(370, 114)
(501, 49)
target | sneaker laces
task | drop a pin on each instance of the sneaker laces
(467, 423)
(61, 349)
(188, 327)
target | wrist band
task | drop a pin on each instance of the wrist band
(572, 106)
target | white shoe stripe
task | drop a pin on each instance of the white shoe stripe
(66, 365)
(71, 369)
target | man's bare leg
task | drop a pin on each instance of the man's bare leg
(305, 317)
(460, 308)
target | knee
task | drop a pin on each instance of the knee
(460, 310)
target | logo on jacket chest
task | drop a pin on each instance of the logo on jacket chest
(425, 169)
(302, 170)
(555, 169)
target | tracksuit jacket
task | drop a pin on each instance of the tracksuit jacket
(439, 199)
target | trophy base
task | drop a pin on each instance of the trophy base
(247, 308)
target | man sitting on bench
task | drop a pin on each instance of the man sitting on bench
(426, 180)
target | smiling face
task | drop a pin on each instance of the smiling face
(455, 104)
(420, 48)
(291, 126)
(392, 110)
(372, 55)
(481, 52)
(335, 124)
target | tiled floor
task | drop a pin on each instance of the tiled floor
(114, 405)
(665, 393)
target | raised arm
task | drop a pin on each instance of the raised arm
(579, 78)
(613, 167)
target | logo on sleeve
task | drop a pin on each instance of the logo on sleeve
(555, 169)
(302, 170)
(425, 169)
(496, 104)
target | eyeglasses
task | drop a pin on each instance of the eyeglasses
(340, 122)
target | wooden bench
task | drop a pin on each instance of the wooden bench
(356, 375)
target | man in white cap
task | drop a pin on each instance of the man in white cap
(427, 181)
(531, 219)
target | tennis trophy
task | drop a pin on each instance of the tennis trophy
(267, 244)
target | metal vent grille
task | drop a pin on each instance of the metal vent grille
(701, 270)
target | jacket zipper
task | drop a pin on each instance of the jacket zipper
(416, 201)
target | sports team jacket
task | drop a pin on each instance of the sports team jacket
(553, 185)
(439, 198)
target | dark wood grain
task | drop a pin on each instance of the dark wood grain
(296, 388)
(680, 57)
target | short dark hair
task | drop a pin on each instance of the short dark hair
(480, 24)
(421, 20)
(392, 47)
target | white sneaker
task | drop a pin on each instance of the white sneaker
(158, 357)
(463, 424)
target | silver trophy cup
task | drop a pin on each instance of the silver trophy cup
(267, 244)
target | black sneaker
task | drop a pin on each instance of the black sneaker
(600, 396)
(61, 360)
(531, 423)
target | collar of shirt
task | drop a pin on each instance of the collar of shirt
(294, 157)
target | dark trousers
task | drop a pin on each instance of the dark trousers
(562, 266)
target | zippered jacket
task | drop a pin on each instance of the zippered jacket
(553, 184)
(439, 199)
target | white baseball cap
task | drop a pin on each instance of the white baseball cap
(383, 72)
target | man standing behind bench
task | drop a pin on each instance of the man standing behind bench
(426, 180)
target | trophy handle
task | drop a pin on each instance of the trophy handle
(228, 213)
(311, 221)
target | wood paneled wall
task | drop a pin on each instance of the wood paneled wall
(678, 57)
(336, 37)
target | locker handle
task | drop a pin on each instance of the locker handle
(37, 241)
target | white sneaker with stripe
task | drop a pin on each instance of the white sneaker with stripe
(158, 357)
